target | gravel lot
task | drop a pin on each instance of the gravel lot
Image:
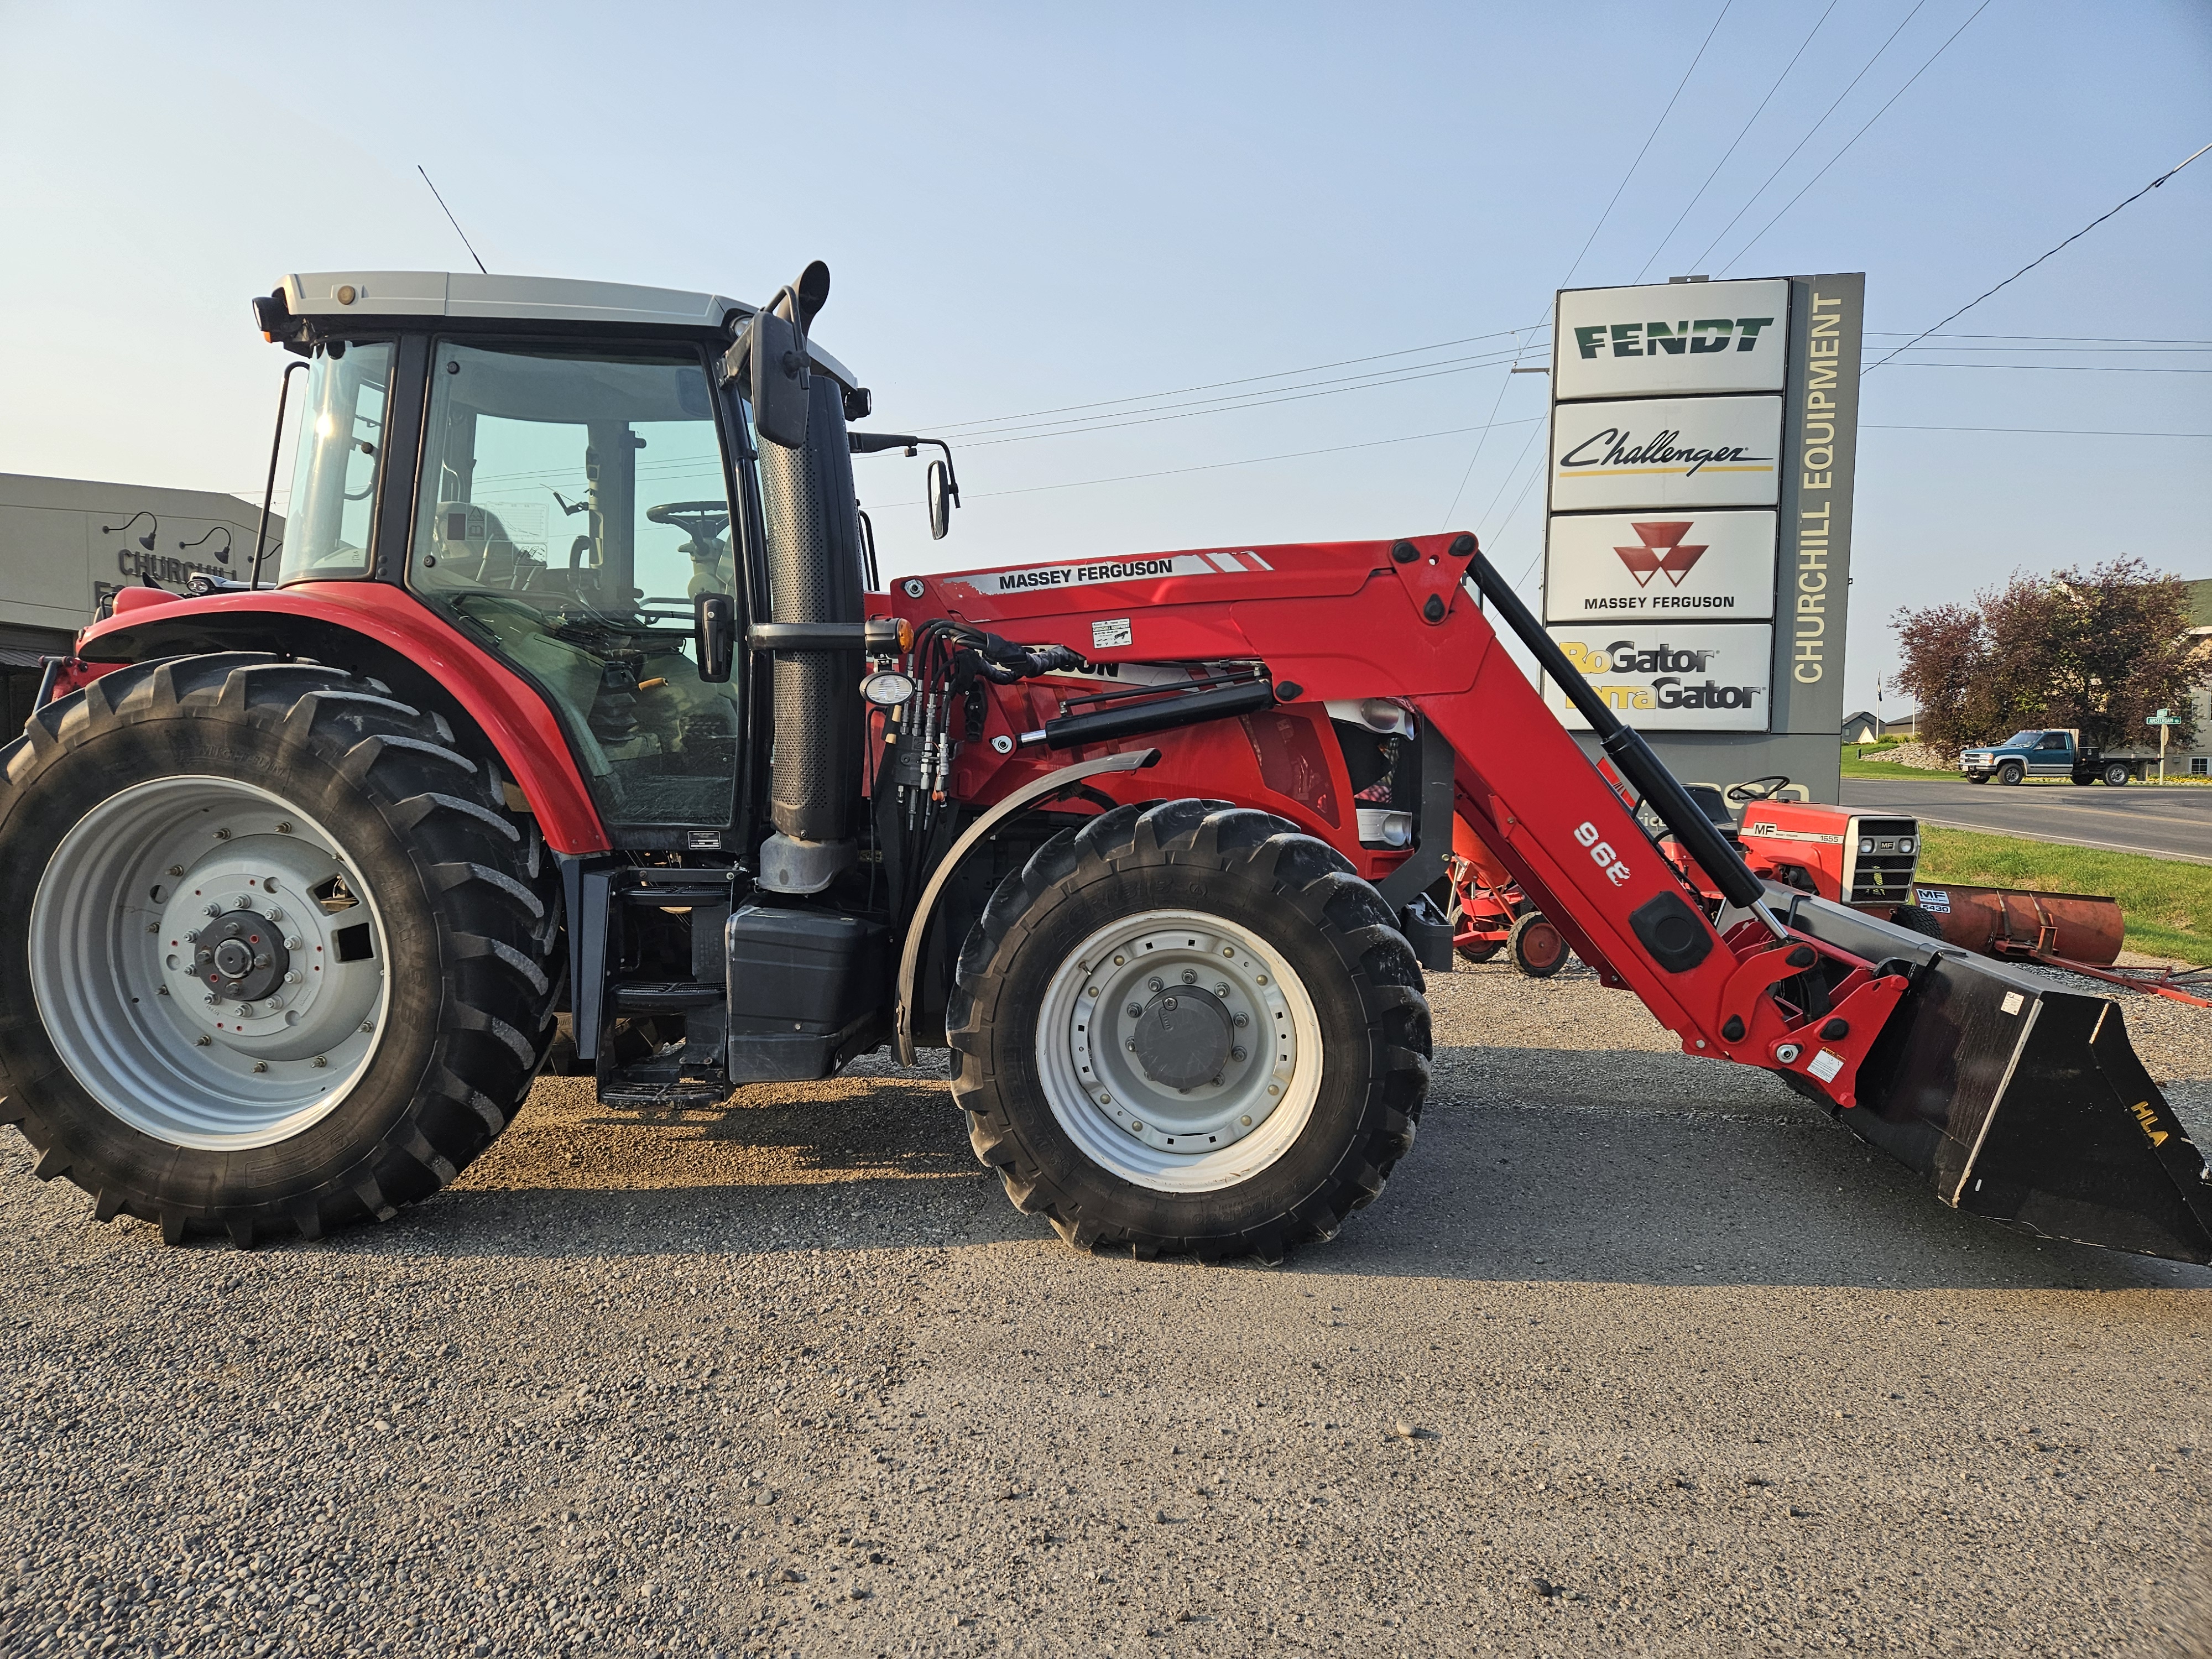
(1639, 1355)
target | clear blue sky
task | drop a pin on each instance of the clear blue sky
(1031, 208)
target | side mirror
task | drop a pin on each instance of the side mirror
(780, 379)
(944, 497)
(714, 635)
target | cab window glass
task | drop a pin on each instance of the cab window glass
(331, 509)
(572, 504)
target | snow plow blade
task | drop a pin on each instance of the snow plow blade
(2003, 921)
(2020, 1100)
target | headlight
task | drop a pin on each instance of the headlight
(1905, 845)
(1866, 843)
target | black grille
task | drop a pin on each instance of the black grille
(1883, 874)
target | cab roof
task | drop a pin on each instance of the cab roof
(327, 294)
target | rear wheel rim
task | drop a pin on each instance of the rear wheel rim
(1153, 1133)
(208, 962)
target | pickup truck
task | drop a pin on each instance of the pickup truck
(2052, 754)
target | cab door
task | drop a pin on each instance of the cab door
(573, 500)
(2052, 756)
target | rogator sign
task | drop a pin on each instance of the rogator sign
(1675, 336)
(1685, 677)
(1706, 565)
(1666, 452)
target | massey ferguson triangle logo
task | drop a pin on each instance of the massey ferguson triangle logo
(1661, 549)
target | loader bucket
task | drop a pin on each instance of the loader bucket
(2022, 1100)
(1999, 921)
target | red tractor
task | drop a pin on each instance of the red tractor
(571, 701)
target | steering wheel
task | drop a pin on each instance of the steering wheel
(703, 521)
(1763, 788)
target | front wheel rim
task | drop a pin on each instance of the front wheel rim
(208, 962)
(1224, 1127)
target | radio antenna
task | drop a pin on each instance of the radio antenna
(452, 220)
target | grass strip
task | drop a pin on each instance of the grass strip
(2167, 903)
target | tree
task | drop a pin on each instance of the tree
(2095, 649)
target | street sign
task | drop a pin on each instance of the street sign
(2162, 718)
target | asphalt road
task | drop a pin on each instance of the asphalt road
(1680, 1368)
(2167, 823)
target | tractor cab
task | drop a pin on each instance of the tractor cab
(1864, 859)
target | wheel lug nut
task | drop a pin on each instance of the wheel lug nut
(1235, 1054)
(291, 941)
(1220, 988)
(1131, 1045)
(293, 977)
(176, 869)
(319, 1060)
(260, 1065)
(1136, 1010)
(211, 999)
(1155, 984)
(261, 962)
(1190, 975)
(202, 1041)
(213, 910)
(1241, 1020)
(241, 902)
(192, 936)
(274, 914)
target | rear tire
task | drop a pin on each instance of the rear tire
(1270, 1149)
(1537, 948)
(1913, 918)
(1482, 950)
(2116, 775)
(285, 1102)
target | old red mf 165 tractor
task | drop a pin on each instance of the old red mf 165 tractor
(571, 689)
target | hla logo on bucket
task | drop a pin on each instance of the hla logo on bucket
(1670, 338)
(1712, 679)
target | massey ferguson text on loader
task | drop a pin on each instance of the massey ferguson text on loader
(569, 691)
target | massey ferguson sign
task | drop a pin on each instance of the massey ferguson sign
(1707, 565)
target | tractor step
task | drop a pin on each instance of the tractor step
(683, 1074)
(664, 996)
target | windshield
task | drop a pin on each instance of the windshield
(332, 506)
(2021, 740)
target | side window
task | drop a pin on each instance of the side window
(573, 503)
(329, 515)
(2054, 740)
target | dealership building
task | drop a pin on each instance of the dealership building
(65, 543)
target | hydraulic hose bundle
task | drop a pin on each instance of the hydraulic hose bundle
(948, 664)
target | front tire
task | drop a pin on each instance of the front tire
(2011, 773)
(1262, 1089)
(1537, 948)
(274, 956)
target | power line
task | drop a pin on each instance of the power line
(2040, 257)
(2053, 369)
(1648, 139)
(1242, 400)
(1217, 467)
(1739, 139)
(1860, 134)
(1143, 419)
(2105, 339)
(2054, 431)
(1499, 401)
(1215, 385)
(1808, 138)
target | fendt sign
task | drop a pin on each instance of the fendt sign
(1703, 442)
